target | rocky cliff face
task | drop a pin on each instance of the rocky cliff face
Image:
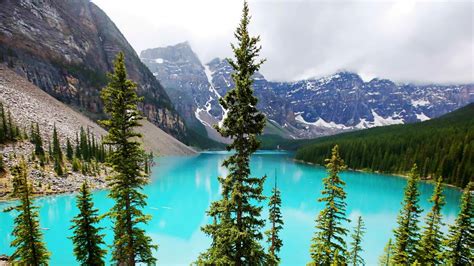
(188, 83)
(67, 47)
(184, 79)
(313, 107)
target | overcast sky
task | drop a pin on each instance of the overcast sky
(404, 40)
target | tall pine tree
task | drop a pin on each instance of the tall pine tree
(236, 232)
(329, 237)
(3, 124)
(9, 131)
(87, 239)
(69, 150)
(276, 222)
(429, 250)
(57, 154)
(387, 257)
(30, 249)
(77, 150)
(355, 257)
(460, 241)
(11, 126)
(37, 141)
(131, 245)
(407, 233)
(2, 165)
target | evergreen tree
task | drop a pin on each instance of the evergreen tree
(330, 233)
(2, 164)
(11, 127)
(76, 165)
(90, 147)
(276, 221)
(30, 249)
(3, 124)
(78, 148)
(387, 257)
(87, 239)
(69, 150)
(38, 141)
(84, 150)
(9, 131)
(32, 133)
(429, 250)
(356, 244)
(131, 245)
(236, 232)
(57, 152)
(50, 151)
(85, 168)
(407, 234)
(23, 135)
(148, 162)
(58, 167)
(460, 241)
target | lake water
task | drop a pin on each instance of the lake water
(183, 187)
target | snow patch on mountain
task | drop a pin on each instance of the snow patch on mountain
(326, 80)
(363, 124)
(381, 121)
(422, 117)
(419, 102)
(197, 114)
(320, 123)
(212, 89)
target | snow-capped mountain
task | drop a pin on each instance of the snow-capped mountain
(301, 109)
(188, 83)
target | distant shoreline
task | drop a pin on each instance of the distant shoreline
(404, 176)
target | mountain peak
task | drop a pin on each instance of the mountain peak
(214, 61)
(177, 53)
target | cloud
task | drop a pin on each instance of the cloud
(404, 40)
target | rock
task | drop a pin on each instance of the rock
(3, 259)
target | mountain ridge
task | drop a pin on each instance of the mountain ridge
(443, 146)
(306, 108)
(67, 47)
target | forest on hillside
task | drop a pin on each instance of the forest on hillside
(440, 147)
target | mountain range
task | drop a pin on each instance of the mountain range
(440, 147)
(300, 109)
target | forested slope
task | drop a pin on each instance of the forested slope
(442, 146)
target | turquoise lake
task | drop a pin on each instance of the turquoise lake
(183, 187)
